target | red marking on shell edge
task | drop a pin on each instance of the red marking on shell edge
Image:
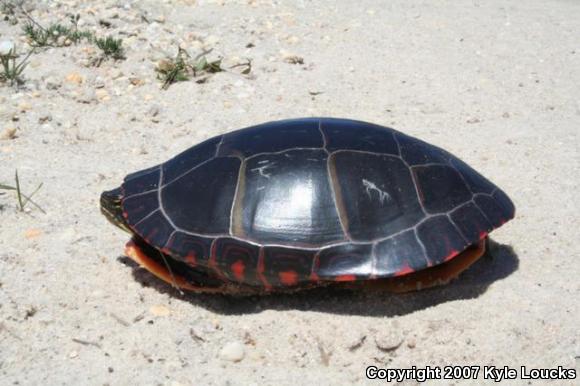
(191, 259)
(212, 262)
(345, 278)
(404, 271)
(260, 270)
(238, 269)
(288, 277)
(482, 235)
(451, 254)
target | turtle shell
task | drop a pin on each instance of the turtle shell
(290, 202)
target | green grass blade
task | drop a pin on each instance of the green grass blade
(18, 191)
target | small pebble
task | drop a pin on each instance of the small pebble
(99, 82)
(24, 107)
(115, 73)
(159, 310)
(102, 94)
(74, 78)
(6, 46)
(232, 352)
(52, 83)
(292, 39)
(32, 233)
(136, 81)
(8, 133)
(388, 340)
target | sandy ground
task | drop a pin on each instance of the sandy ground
(494, 82)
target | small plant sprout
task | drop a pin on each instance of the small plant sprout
(111, 47)
(182, 67)
(75, 35)
(56, 35)
(22, 198)
(202, 65)
(11, 71)
(174, 70)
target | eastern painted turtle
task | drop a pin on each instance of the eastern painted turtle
(307, 202)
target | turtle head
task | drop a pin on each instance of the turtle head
(111, 208)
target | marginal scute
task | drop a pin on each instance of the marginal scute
(470, 221)
(492, 210)
(344, 259)
(237, 260)
(441, 239)
(155, 229)
(141, 182)
(505, 204)
(362, 136)
(280, 259)
(193, 250)
(198, 277)
(138, 207)
(399, 253)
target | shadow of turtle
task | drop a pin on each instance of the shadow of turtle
(497, 263)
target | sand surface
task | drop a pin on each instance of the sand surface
(494, 82)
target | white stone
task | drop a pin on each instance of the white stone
(233, 352)
(388, 340)
(6, 47)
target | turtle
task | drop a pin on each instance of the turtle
(308, 202)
